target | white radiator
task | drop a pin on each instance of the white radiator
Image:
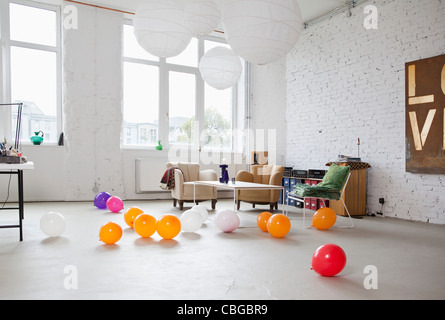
(149, 172)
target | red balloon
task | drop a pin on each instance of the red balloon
(329, 260)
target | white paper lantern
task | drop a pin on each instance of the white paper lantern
(262, 31)
(220, 68)
(160, 29)
(202, 16)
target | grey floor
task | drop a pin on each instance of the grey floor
(247, 264)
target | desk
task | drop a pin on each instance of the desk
(238, 185)
(17, 169)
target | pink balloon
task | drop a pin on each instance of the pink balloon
(115, 204)
(227, 221)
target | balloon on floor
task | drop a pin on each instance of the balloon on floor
(278, 225)
(227, 221)
(53, 224)
(110, 233)
(328, 260)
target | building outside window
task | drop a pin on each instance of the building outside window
(32, 67)
(170, 96)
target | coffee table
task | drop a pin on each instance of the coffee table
(239, 185)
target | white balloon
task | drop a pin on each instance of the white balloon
(227, 221)
(191, 220)
(203, 211)
(53, 224)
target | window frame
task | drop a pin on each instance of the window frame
(164, 92)
(7, 43)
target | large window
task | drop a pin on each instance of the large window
(167, 99)
(31, 64)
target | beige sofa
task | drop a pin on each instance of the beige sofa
(184, 188)
(264, 174)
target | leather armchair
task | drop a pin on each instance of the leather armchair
(264, 174)
(184, 188)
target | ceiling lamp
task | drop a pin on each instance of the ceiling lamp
(220, 68)
(202, 16)
(160, 29)
(262, 31)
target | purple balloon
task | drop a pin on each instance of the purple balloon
(100, 201)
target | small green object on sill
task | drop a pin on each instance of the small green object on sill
(37, 139)
(159, 146)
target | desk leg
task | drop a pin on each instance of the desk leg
(20, 193)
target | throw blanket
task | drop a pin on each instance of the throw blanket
(317, 191)
(168, 179)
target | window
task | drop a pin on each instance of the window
(32, 63)
(167, 100)
(141, 93)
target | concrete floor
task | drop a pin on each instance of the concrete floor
(208, 264)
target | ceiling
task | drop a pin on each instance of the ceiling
(310, 8)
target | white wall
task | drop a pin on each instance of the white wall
(346, 82)
(92, 159)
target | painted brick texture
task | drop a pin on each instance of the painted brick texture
(345, 82)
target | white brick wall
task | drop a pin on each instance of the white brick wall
(346, 82)
(92, 106)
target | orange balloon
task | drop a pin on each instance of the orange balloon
(169, 226)
(278, 225)
(145, 225)
(131, 214)
(324, 219)
(110, 233)
(262, 219)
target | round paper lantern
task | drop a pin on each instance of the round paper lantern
(220, 68)
(262, 31)
(160, 29)
(202, 16)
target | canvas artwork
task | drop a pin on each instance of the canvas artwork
(425, 115)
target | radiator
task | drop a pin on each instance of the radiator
(149, 172)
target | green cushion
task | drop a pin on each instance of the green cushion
(336, 177)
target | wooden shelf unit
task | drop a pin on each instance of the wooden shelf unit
(355, 193)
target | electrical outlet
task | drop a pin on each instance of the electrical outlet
(382, 200)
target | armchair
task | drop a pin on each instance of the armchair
(264, 174)
(183, 190)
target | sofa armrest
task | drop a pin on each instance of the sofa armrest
(208, 175)
(179, 183)
(276, 179)
(244, 176)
